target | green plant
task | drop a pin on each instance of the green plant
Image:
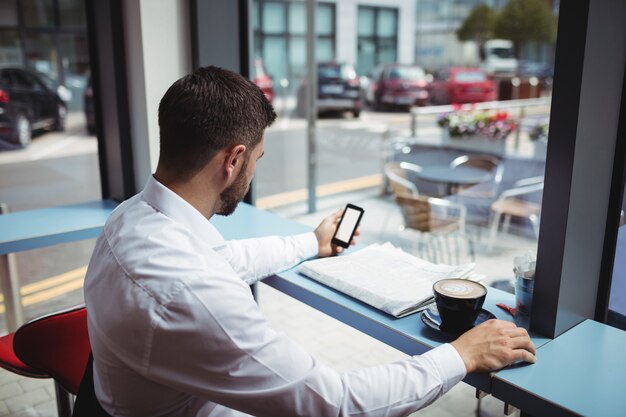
(539, 132)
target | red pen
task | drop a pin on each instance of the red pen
(511, 310)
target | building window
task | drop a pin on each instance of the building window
(280, 37)
(377, 37)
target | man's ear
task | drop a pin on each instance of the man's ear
(234, 158)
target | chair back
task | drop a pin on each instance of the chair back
(399, 176)
(416, 211)
(57, 344)
(483, 162)
(441, 224)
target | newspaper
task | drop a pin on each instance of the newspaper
(385, 277)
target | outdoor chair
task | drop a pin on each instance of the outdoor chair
(400, 175)
(438, 228)
(485, 163)
(511, 203)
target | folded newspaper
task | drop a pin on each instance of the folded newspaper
(385, 277)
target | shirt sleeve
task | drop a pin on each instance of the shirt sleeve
(254, 259)
(213, 342)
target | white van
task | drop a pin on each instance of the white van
(498, 57)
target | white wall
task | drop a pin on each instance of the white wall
(158, 52)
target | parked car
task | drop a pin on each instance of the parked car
(261, 78)
(462, 85)
(397, 85)
(27, 104)
(338, 89)
(90, 114)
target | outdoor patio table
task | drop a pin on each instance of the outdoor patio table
(452, 178)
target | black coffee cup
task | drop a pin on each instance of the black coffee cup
(459, 302)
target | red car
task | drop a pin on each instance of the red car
(461, 85)
(262, 79)
(397, 85)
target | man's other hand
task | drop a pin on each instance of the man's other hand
(325, 232)
(494, 344)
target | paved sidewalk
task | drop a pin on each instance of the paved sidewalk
(334, 343)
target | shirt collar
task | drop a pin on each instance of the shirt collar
(176, 208)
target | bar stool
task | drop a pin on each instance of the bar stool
(52, 346)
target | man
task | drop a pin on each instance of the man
(173, 325)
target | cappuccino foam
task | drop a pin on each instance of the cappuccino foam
(460, 288)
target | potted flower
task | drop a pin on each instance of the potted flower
(467, 124)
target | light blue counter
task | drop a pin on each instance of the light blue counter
(407, 334)
(581, 372)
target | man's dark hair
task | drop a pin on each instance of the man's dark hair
(205, 112)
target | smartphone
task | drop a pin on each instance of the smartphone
(347, 225)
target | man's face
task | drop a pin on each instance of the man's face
(232, 195)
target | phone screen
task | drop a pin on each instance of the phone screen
(347, 225)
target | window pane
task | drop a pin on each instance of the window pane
(72, 13)
(387, 51)
(274, 18)
(8, 13)
(366, 59)
(10, 50)
(38, 13)
(365, 21)
(324, 50)
(256, 22)
(297, 54)
(75, 62)
(324, 19)
(387, 22)
(297, 19)
(275, 57)
(41, 55)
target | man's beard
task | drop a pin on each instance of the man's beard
(232, 195)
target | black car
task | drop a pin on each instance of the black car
(27, 104)
(338, 89)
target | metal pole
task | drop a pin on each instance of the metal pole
(522, 114)
(413, 123)
(311, 101)
(10, 287)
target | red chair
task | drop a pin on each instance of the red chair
(55, 346)
(11, 363)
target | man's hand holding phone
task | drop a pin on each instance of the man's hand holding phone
(338, 230)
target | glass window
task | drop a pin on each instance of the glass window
(366, 21)
(377, 37)
(366, 56)
(72, 13)
(41, 54)
(324, 19)
(275, 56)
(10, 50)
(8, 13)
(297, 19)
(387, 21)
(75, 62)
(274, 17)
(324, 50)
(297, 56)
(387, 50)
(38, 13)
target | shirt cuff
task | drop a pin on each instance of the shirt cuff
(308, 244)
(448, 363)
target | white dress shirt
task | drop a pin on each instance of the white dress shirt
(175, 330)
